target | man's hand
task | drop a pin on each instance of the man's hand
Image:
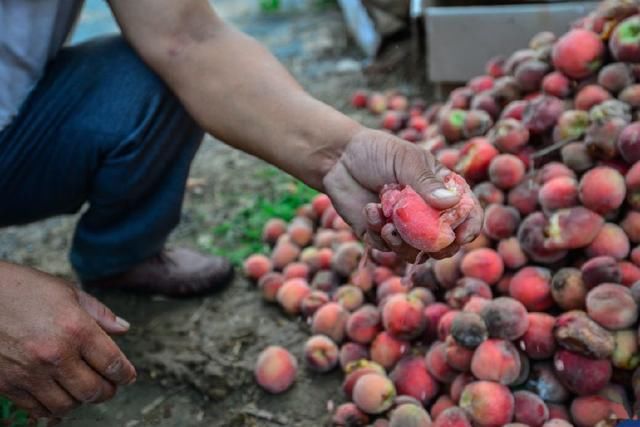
(54, 349)
(373, 159)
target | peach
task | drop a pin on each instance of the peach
(610, 109)
(352, 352)
(558, 416)
(487, 403)
(359, 98)
(409, 415)
(612, 306)
(529, 409)
(571, 126)
(456, 356)
(514, 110)
(445, 323)
(543, 382)
(373, 393)
(273, 229)
(496, 360)
(505, 318)
(328, 216)
(578, 53)
(284, 252)
(452, 417)
(630, 273)
(312, 302)
(502, 287)
(349, 296)
(411, 378)
(418, 123)
(475, 157)
(488, 102)
(484, 264)
(330, 320)
(529, 74)
(615, 76)
(575, 331)
(420, 225)
(572, 228)
(629, 143)
(506, 171)
(518, 58)
(436, 361)
(377, 103)
(364, 324)
(610, 241)
(256, 266)
(459, 99)
(524, 196)
(380, 422)
(324, 238)
(306, 213)
(362, 278)
(346, 258)
(320, 203)
(392, 120)
(631, 96)
(324, 280)
(487, 193)
(533, 236)
(411, 135)
(624, 40)
(459, 383)
(590, 96)
(625, 353)
(275, 369)
(403, 316)
(423, 294)
(576, 156)
(393, 285)
(632, 181)
(556, 84)
(357, 369)
(423, 277)
(601, 138)
(398, 102)
(291, 294)
(554, 170)
(511, 253)
(348, 414)
(386, 349)
(602, 189)
(542, 113)
(538, 341)
(300, 231)
(442, 403)
(542, 40)
(480, 83)
(269, 284)
(386, 259)
(532, 287)
(505, 90)
(467, 287)
(495, 67)
(433, 313)
(599, 270)
(589, 411)
(476, 123)
(580, 374)
(469, 329)
(509, 135)
(296, 269)
(451, 124)
(448, 157)
(320, 353)
(481, 241)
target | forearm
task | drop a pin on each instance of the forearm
(237, 91)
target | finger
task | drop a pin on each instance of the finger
(375, 241)
(107, 320)
(53, 397)
(471, 227)
(349, 197)
(396, 244)
(447, 252)
(374, 216)
(104, 356)
(84, 383)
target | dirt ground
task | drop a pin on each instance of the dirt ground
(195, 357)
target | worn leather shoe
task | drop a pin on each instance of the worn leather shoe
(173, 272)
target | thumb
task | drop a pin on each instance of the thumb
(107, 320)
(431, 187)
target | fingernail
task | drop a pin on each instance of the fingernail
(122, 323)
(132, 380)
(443, 193)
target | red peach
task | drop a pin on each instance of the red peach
(391, 286)
(328, 216)
(581, 374)
(506, 171)
(256, 266)
(487, 193)
(519, 57)
(612, 306)
(554, 170)
(445, 323)
(571, 126)
(524, 196)
(514, 110)
(452, 417)
(467, 287)
(502, 287)
(484, 264)
(509, 135)
(529, 74)
(392, 120)
(377, 103)
(349, 296)
(284, 252)
(487, 403)
(398, 102)
(496, 360)
(381, 275)
(476, 123)
(364, 324)
(357, 369)
(291, 294)
(449, 157)
(459, 98)
(409, 415)
(348, 414)
(269, 284)
(418, 123)
(624, 40)
(599, 270)
(505, 90)
(320, 203)
(601, 138)
(578, 53)
(451, 124)
(505, 318)
(576, 156)
(630, 273)
(359, 98)
(572, 228)
(480, 83)
(532, 236)
(458, 357)
(532, 287)
(275, 369)
(511, 253)
(273, 229)
(411, 378)
(611, 241)
(495, 67)
(433, 313)
(556, 84)
(589, 96)
(312, 302)
(441, 404)
(575, 331)
(320, 353)
(459, 383)
(373, 393)
(330, 320)
(632, 181)
(403, 316)
(488, 102)
(475, 157)
(436, 361)
(530, 409)
(589, 411)
(306, 213)
(296, 269)
(629, 143)
(324, 238)
(558, 193)
(386, 349)
(634, 256)
(538, 341)
(300, 231)
(352, 352)
(386, 259)
(542, 113)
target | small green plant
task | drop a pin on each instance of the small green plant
(10, 416)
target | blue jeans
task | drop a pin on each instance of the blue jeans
(99, 127)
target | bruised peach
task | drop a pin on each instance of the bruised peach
(556, 84)
(436, 361)
(505, 318)
(524, 196)
(269, 284)
(533, 236)
(509, 135)
(575, 331)
(469, 329)
(484, 264)
(330, 320)
(409, 415)
(506, 171)
(529, 74)
(348, 414)
(601, 137)
(320, 353)
(292, 293)
(576, 156)
(599, 270)
(352, 352)
(529, 410)
(386, 349)
(452, 417)
(357, 369)
(602, 189)
(433, 314)
(610, 241)
(364, 324)
(312, 302)
(420, 225)
(578, 53)
(275, 369)
(373, 393)
(612, 306)
(542, 113)
(572, 228)
(476, 123)
(475, 157)
(588, 411)
(467, 287)
(538, 341)
(590, 96)
(487, 193)
(411, 378)
(496, 360)
(284, 252)
(543, 382)
(487, 403)
(580, 374)
(346, 258)
(273, 229)
(532, 287)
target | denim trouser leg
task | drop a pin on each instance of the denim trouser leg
(99, 127)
